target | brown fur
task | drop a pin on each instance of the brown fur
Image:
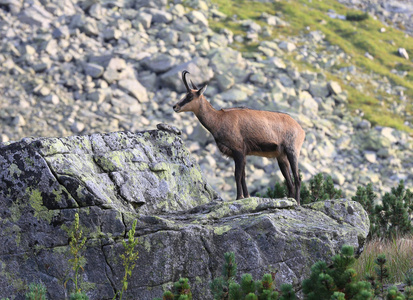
(242, 131)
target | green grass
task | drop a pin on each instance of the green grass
(399, 253)
(355, 38)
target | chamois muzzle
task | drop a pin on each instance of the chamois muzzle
(176, 108)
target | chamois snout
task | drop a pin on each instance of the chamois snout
(178, 107)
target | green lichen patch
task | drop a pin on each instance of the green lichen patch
(14, 170)
(8, 275)
(111, 161)
(220, 230)
(51, 146)
(87, 286)
(159, 167)
(246, 206)
(343, 211)
(36, 202)
(16, 209)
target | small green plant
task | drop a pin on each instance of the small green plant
(355, 16)
(338, 296)
(381, 271)
(226, 288)
(37, 291)
(77, 245)
(319, 188)
(79, 296)
(322, 188)
(408, 293)
(129, 258)
(220, 286)
(287, 292)
(394, 294)
(391, 218)
(278, 191)
(408, 281)
(332, 282)
(381, 274)
(408, 278)
(265, 288)
(182, 291)
(366, 197)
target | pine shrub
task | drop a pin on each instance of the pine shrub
(393, 215)
(355, 16)
(181, 291)
(391, 218)
(394, 294)
(278, 191)
(37, 291)
(287, 292)
(408, 280)
(226, 288)
(319, 188)
(324, 281)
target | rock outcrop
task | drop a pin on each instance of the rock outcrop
(183, 227)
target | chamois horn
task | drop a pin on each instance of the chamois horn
(184, 72)
(193, 85)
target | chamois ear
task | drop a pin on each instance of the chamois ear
(201, 90)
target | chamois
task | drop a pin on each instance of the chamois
(239, 132)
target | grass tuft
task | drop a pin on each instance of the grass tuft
(398, 252)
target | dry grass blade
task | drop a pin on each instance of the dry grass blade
(399, 255)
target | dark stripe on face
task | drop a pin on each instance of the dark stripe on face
(187, 99)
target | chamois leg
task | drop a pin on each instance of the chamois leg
(244, 185)
(293, 159)
(285, 170)
(239, 159)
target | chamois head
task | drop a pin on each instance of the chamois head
(191, 101)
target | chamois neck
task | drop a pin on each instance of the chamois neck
(207, 115)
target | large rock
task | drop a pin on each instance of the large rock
(160, 16)
(134, 88)
(159, 62)
(35, 15)
(183, 226)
